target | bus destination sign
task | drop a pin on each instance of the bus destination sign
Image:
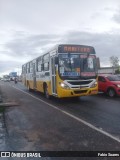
(76, 49)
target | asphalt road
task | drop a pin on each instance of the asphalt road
(89, 123)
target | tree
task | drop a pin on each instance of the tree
(117, 71)
(114, 61)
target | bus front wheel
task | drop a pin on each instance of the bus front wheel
(46, 92)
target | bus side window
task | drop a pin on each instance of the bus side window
(42, 67)
(46, 66)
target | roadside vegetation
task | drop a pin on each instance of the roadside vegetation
(2, 109)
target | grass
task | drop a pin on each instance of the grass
(2, 109)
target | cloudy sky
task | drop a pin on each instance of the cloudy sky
(30, 27)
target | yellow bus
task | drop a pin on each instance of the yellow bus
(67, 70)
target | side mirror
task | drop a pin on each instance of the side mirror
(56, 60)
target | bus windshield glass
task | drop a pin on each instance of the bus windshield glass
(69, 65)
(88, 64)
(77, 65)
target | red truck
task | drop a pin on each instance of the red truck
(109, 84)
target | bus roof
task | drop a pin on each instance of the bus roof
(68, 48)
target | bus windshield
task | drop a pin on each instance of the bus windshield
(76, 65)
(88, 64)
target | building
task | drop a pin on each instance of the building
(108, 70)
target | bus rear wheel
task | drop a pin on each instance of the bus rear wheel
(28, 87)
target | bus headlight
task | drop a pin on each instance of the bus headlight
(63, 85)
(94, 84)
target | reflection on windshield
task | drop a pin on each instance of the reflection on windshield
(88, 63)
(69, 65)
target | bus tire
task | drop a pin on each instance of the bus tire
(28, 87)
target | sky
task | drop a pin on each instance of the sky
(29, 28)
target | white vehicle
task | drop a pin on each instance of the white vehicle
(6, 79)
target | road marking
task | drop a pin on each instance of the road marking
(74, 117)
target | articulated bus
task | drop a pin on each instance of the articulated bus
(65, 71)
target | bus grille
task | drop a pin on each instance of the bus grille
(82, 91)
(80, 82)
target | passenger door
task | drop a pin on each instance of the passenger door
(53, 76)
